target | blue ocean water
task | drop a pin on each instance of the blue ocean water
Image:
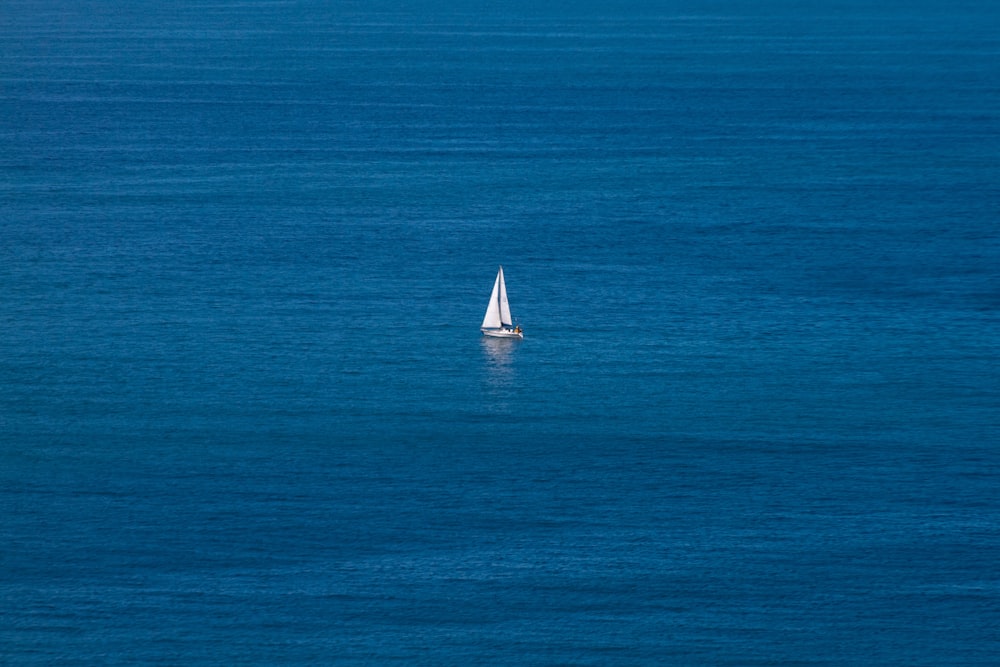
(247, 417)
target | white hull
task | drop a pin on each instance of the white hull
(503, 333)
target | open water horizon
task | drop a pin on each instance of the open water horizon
(247, 417)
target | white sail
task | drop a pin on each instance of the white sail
(492, 318)
(505, 319)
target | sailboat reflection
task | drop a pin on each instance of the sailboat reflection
(499, 355)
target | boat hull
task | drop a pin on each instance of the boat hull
(502, 333)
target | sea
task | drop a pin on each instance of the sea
(247, 416)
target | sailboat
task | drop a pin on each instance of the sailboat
(497, 322)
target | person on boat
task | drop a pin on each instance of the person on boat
(517, 329)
